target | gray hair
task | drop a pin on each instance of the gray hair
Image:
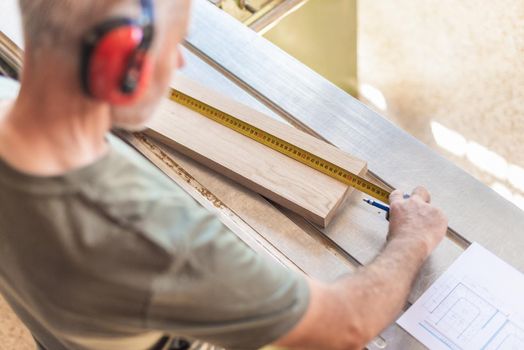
(60, 24)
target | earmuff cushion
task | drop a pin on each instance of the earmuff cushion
(106, 62)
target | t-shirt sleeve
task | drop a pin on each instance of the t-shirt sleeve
(218, 290)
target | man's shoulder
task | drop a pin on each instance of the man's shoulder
(128, 177)
(127, 169)
(136, 195)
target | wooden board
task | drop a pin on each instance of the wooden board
(277, 177)
(251, 217)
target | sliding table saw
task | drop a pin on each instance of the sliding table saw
(225, 55)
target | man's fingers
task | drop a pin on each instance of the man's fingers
(422, 193)
(396, 196)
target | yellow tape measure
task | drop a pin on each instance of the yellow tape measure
(281, 146)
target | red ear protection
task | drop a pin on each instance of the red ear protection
(115, 64)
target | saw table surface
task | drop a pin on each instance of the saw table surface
(224, 55)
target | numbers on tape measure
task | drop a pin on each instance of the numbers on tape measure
(281, 146)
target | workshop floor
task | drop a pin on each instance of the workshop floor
(13, 335)
(451, 73)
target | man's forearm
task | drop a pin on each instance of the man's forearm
(347, 314)
(376, 293)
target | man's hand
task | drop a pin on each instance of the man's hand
(348, 313)
(415, 219)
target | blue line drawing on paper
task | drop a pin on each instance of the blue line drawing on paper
(508, 337)
(461, 318)
(476, 304)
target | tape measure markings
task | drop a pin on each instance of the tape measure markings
(301, 155)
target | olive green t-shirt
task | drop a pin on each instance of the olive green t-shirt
(113, 255)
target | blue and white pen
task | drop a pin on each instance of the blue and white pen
(377, 204)
(382, 206)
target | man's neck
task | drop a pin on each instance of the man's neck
(48, 131)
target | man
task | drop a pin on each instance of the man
(98, 250)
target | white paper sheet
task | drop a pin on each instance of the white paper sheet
(477, 304)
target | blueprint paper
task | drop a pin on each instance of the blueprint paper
(477, 304)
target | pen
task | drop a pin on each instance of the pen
(377, 204)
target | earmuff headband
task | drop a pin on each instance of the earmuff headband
(131, 79)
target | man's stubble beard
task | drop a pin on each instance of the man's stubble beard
(135, 118)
